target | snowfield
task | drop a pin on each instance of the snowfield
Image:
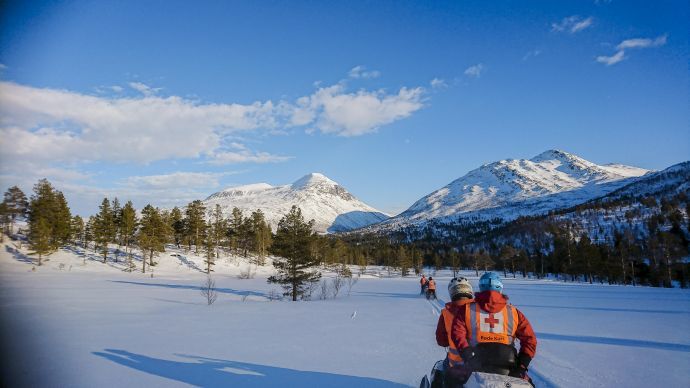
(93, 325)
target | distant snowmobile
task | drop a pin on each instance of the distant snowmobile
(476, 380)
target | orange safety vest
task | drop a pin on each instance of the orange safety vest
(454, 358)
(432, 285)
(483, 326)
(423, 281)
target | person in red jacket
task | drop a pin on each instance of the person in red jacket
(486, 333)
(423, 283)
(461, 294)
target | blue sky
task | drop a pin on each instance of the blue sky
(165, 101)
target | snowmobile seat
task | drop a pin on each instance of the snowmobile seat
(495, 358)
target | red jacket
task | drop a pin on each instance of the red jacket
(493, 302)
(454, 307)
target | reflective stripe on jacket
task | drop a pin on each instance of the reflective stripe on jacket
(483, 326)
(448, 316)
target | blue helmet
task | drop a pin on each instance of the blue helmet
(490, 281)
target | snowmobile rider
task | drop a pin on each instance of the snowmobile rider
(423, 283)
(486, 333)
(461, 294)
(431, 288)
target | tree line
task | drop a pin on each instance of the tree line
(646, 253)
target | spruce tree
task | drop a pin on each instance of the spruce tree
(235, 229)
(291, 243)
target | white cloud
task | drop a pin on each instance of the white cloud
(3, 66)
(361, 72)
(572, 24)
(474, 70)
(66, 126)
(637, 43)
(117, 89)
(143, 88)
(642, 43)
(438, 83)
(613, 59)
(332, 110)
(175, 180)
(241, 154)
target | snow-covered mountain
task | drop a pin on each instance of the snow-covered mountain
(515, 187)
(330, 205)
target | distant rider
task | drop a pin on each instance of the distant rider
(423, 283)
(486, 333)
(461, 294)
(431, 288)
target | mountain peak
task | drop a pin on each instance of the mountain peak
(313, 179)
(555, 154)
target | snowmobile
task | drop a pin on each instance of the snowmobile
(430, 294)
(476, 379)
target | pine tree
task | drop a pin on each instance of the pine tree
(5, 220)
(62, 222)
(295, 264)
(16, 204)
(262, 236)
(195, 223)
(217, 228)
(40, 236)
(404, 260)
(210, 248)
(77, 228)
(88, 233)
(151, 234)
(42, 212)
(128, 230)
(177, 224)
(104, 228)
(235, 229)
(117, 221)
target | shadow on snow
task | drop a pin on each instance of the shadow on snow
(208, 372)
(609, 309)
(616, 341)
(18, 255)
(196, 288)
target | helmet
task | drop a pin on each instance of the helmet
(430, 278)
(460, 288)
(490, 281)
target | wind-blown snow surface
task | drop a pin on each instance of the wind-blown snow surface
(95, 326)
(510, 188)
(330, 205)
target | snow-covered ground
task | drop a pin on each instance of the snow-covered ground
(93, 325)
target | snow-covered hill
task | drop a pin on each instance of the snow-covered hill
(668, 181)
(330, 205)
(515, 187)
